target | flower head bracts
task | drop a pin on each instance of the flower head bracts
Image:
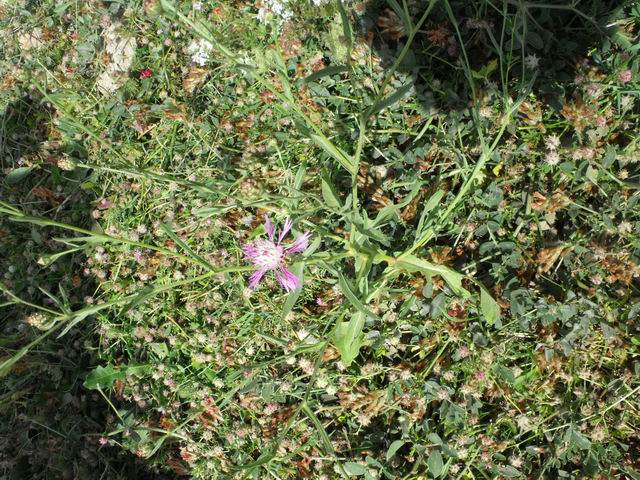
(271, 254)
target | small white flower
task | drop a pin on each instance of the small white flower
(625, 227)
(552, 142)
(552, 158)
(197, 6)
(531, 61)
(524, 423)
(279, 8)
(200, 50)
(290, 360)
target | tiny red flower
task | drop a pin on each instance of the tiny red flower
(146, 73)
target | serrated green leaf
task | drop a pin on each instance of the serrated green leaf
(411, 263)
(103, 377)
(489, 307)
(335, 152)
(348, 338)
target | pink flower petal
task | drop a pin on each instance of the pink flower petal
(287, 226)
(287, 280)
(254, 280)
(269, 227)
(104, 204)
(300, 244)
(250, 251)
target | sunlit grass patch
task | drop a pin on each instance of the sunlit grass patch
(457, 296)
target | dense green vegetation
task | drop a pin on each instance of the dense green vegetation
(440, 200)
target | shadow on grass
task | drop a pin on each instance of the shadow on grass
(551, 47)
(551, 39)
(49, 424)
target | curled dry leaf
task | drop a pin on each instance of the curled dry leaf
(194, 79)
(410, 211)
(329, 354)
(370, 403)
(442, 256)
(46, 194)
(619, 268)
(578, 114)
(531, 114)
(547, 257)
(557, 201)
(538, 201)
(175, 111)
(390, 25)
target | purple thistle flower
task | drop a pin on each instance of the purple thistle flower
(271, 254)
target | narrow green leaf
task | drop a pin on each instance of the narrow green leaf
(298, 270)
(411, 263)
(323, 433)
(18, 175)
(389, 210)
(7, 364)
(47, 259)
(535, 40)
(197, 258)
(336, 153)
(435, 463)
(432, 203)
(300, 174)
(400, 12)
(348, 338)
(391, 99)
(351, 296)
(574, 438)
(329, 195)
(76, 317)
(346, 25)
(168, 8)
(489, 307)
(326, 72)
(393, 448)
